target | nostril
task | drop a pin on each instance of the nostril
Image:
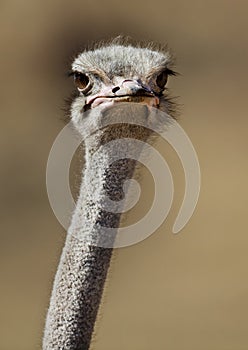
(115, 89)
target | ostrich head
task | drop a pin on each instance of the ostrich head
(114, 74)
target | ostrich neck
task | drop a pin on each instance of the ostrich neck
(85, 260)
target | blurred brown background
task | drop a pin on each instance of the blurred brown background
(186, 291)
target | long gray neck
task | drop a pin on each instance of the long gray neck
(85, 260)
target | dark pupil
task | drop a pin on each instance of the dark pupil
(162, 79)
(81, 80)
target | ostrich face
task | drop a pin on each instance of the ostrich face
(121, 73)
(116, 74)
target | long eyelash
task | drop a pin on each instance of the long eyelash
(70, 73)
(171, 72)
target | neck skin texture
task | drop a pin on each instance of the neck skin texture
(86, 257)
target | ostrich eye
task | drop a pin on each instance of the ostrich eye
(82, 82)
(162, 79)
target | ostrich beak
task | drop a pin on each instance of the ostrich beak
(127, 91)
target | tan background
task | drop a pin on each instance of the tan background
(188, 291)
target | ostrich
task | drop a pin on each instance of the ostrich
(112, 79)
